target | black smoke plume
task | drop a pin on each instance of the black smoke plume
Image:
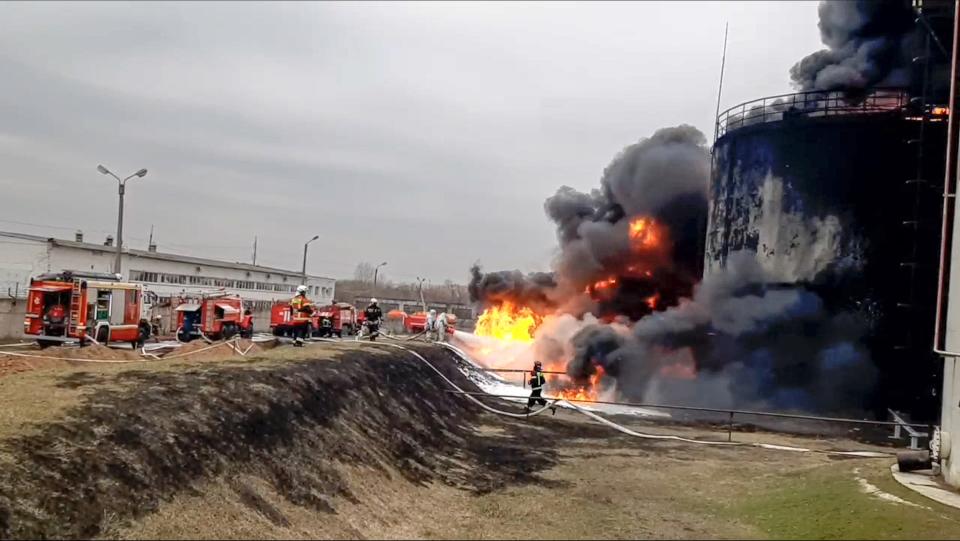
(867, 45)
(750, 344)
(533, 290)
(663, 177)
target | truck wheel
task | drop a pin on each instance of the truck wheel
(183, 336)
(228, 331)
(103, 334)
(277, 331)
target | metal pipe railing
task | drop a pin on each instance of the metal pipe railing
(713, 410)
(813, 103)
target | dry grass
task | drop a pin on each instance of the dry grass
(384, 453)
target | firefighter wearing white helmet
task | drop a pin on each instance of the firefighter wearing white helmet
(300, 307)
(430, 326)
(372, 317)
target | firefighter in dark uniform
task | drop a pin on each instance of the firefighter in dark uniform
(537, 381)
(372, 316)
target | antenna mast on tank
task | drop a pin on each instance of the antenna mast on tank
(723, 64)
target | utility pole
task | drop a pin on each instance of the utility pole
(254, 250)
(122, 185)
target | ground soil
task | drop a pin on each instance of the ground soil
(362, 441)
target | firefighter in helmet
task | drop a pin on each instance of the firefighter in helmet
(372, 316)
(300, 307)
(537, 381)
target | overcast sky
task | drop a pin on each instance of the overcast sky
(426, 135)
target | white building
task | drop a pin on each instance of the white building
(167, 275)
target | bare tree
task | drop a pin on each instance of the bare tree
(364, 272)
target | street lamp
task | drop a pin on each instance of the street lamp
(315, 237)
(122, 185)
(420, 282)
(376, 271)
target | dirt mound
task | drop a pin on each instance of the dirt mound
(141, 437)
(24, 359)
(202, 350)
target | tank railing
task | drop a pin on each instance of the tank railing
(809, 104)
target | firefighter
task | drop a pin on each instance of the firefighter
(301, 308)
(537, 381)
(441, 325)
(372, 316)
(246, 324)
(430, 326)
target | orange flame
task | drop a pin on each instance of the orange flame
(508, 322)
(584, 392)
(645, 233)
(652, 301)
(601, 285)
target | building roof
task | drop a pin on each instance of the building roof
(156, 255)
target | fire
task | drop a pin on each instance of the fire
(645, 233)
(601, 285)
(680, 365)
(584, 392)
(508, 322)
(652, 301)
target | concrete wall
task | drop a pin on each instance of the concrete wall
(950, 402)
(19, 260)
(11, 318)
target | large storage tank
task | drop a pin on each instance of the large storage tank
(842, 195)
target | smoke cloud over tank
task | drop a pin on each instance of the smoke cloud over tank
(867, 45)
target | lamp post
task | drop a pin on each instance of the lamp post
(315, 237)
(376, 271)
(420, 282)
(122, 185)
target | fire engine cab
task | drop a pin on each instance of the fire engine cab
(214, 315)
(81, 307)
(338, 319)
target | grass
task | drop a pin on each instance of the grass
(827, 503)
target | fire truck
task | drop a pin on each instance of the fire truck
(283, 323)
(337, 319)
(80, 307)
(214, 315)
(417, 322)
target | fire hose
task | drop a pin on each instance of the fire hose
(233, 344)
(621, 428)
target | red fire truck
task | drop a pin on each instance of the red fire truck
(81, 307)
(214, 315)
(283, 322)
(417, 322)
(338, 319)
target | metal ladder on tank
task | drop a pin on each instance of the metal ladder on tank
(76, 305)
(919, 183)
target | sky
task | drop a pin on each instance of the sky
(426, 135)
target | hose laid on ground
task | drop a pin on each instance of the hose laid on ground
(71, 359)
(399, 338)
(473, 398)
(625, 430)
(124, 361)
